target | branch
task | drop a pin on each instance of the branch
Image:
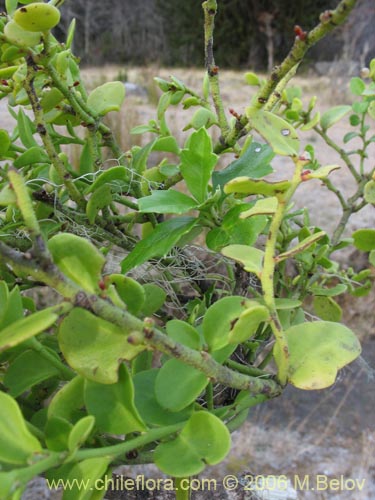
(143, 330)
(328, 21)
(210, 9)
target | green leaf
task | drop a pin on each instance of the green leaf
(312, 123)
(5, 142)
(280, 135)
(11, 307)
(250, 257)
(37, 17)
(116, 177)
(349, 136)
(326, 308)
(102, 197)
(301, 247)
(329, 292)
(11, 6)
(317, 351)
(57, 432)
(148, 406)
(197, 163)
(154, 299)
(17, 444)
(177, 396)
(112, 405)
(282, 304)
(248, 186)
(364, 239)
(254, 163)
(26, 130)
(27, 370)
(333, 115)
(264, 206)
(202, 118)
(371, 109)
(31, 156)
(50, 99)
(235, 230)
(66, 403)
(27, 327)
(252, 79)
(369, 192)
(78, 259)
(21, 37)
(371, 258)
(221, 318)
(248, 322)
(7, 196)
(354, 120)
(107, 97)
(80, 432)
(86, 165)
(87, 472)
(163, 202)
(357, 85)
(130, 291)
(185, 334)
(320, 173)
(94, 347)
(204, 440)
(168, 144)
(159, 242)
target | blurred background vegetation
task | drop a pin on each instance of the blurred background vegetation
(249, 33)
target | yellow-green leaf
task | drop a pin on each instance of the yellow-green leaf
(250, 257)
(248, 186)
(107, 97)
(317, 351)
(94, 347)
(280, 135)
(17, 444)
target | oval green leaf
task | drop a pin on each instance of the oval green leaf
(221, 318)
(37, 17)
(250, 257)
(27, 327)
(159, 242)
(164, 202)
(80, 432)
(112, 405)
(178, 385)
(333, 115)
(27, 370)
(248, 322)
(364, 239)
(248, 186)
(185, 334)
(68, 401)
(20, 37)
(130, 291)
(107, 97)
(279, 134)
(17, 444)
(148, 406)
(78, 259)
(326, 308)
(205, 440)
(369, 192)
(317, 351)
(94, 347)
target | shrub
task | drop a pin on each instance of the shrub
(161, 360)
